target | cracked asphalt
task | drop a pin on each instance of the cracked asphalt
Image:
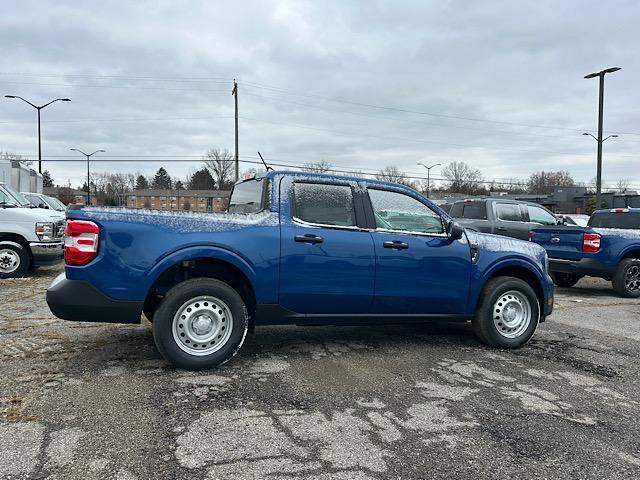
(96, 401)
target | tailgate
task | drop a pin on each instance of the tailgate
(559, 241)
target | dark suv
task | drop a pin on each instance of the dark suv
(511, 218)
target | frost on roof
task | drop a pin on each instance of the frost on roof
(497, 243)
(183, 221)
(628, 234)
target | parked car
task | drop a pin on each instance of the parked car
(511, 218)
(609, 248)
(41, 200)
(574, 219)
(296, 248)
(29, 237)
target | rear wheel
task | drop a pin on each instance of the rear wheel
(626, 280)
(508, 313)
(201, 323)
(565, 279)
(14, 260)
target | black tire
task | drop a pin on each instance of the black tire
(175, 299)
(14, 252)
(483, 323)
(565, 279)
(626, 280)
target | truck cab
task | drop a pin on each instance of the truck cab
(29, 237)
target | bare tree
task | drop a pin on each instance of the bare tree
(547, 182)
(15, 156)
(510, 185)
(220, 164)
(622, 185)
(317, 167)
(463, 178)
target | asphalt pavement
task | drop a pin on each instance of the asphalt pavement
(96, 401)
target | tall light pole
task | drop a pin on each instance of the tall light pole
(234, 92)
(600, 75)
(39, 107)
(88, 155)
(429, 176)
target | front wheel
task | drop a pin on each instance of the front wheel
(565, 279)
(508, 313)
(200, 323)
(626, 280)
(14, 260)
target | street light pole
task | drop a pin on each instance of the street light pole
(429, 176)
(600, 75)
(38, 108)
(88, 155)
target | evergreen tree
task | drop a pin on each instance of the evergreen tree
(202, 180)
(162, 180)
(178, 185)
(142, 183)
(47, 181)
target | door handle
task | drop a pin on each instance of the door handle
(555, 239)
(396, 244)
(308, 238)
(501, 229)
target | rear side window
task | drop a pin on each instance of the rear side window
(247, 197)
(540, 215)
(324, 204)
(509, 212)
(627, 220)
(474, 210)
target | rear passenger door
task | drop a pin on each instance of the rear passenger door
(510, 220)
(327, 263)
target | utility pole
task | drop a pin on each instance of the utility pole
(429, 176)
(601, 75)
(234, 92)
(88, 155)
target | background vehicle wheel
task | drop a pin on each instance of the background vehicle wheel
(565, 279)
(14, 260)
(626, 280)
(508, 313)
(200, 323)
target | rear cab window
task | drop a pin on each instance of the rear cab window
(323, 204)
(625, 220)
(469, 209)
(249, 196)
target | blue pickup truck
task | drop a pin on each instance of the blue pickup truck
(608, 247)
(296, 248)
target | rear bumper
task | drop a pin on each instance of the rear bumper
(584, 266)
(80, 301)
(46, 253)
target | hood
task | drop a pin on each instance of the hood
(498, 243)
(28, 214)
(52, 215)
(183, 222)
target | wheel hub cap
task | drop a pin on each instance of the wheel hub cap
(632, 278)
(9, 261)
(512, 314)
(202, 325)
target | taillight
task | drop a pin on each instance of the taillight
(80, 242)
(590, 242)
(530, 235)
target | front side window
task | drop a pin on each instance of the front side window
(540, 215)
(509, 212)
(397, 211)
(324, 204)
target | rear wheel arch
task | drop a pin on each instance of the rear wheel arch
(200, 267)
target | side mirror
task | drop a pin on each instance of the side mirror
(455, 231)
(42, 205)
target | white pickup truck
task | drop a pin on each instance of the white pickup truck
(29, 237)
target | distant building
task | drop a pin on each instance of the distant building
(69, 196)
(188, 200)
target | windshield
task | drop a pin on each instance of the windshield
(61, 206)
(50, 201)
(247, 197)
(17, 197)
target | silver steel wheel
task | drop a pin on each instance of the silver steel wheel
(202, 325)
(632, 278)
(9, 260)
(512, 314)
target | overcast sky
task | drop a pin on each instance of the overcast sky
(362, 85)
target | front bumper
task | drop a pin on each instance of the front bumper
(584, 266)
(80, 301)
(46, 253)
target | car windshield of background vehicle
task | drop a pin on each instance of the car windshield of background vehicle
(324, 204)
(397, 211)
(626, 220)
(247, 197)
(5, 198)
(470, 209)
(539, 215)
(17, 196)
(509, 212)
